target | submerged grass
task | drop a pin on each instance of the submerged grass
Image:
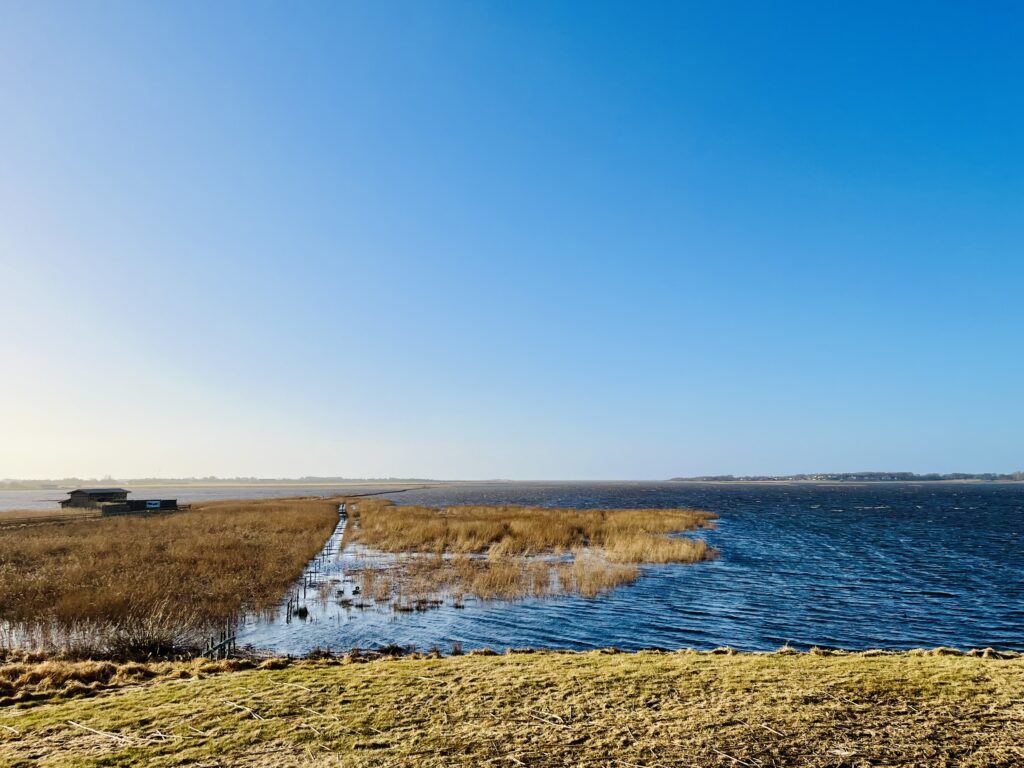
(510, 552)
(540, 709)
(128, 586)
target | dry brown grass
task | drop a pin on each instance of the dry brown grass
(657, 549)
(514, 530)
(27, 678)
(13, 517)
(510, 552)
(127, 585)
(545, 710)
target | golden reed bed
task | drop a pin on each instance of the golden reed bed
(510, 552)
(129, 586)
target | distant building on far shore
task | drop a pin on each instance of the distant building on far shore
(94, 497)
(115, 501)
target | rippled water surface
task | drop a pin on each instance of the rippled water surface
(892, 566)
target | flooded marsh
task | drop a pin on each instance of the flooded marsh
(891, 566)
(136, 585)
(509, 552)
(843, 566)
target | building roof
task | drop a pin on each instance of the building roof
(99, 490)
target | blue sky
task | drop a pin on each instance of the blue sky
(520, 240)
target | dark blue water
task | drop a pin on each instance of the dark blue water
(870, 566)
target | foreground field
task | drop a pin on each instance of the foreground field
(543, 709)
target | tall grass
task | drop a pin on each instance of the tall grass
(515, 530)
(510, 552)
(16, 517)
(123, 586)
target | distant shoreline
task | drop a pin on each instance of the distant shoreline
(61, 487)
(969, 481)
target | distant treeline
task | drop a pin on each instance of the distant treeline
(861, 477)
(76, 482)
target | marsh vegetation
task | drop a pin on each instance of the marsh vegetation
(511, 552)
(164, 585)
(130, 586)
(19, 517)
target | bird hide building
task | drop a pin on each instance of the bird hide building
(115, 501)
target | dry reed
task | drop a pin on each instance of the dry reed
(15, 517)
(123, 586)
(514, 530)
(510, 552)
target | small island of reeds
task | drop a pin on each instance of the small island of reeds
(511, 552)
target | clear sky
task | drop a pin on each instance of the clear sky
(522, 240)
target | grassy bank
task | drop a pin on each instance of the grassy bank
(129, 586)
(541, 709)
